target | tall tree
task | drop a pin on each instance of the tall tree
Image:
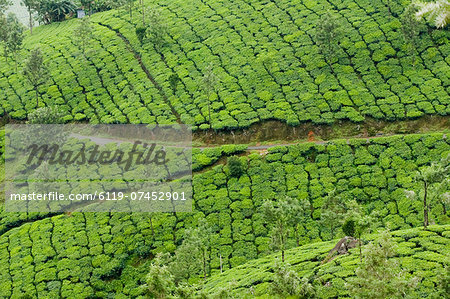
(280, 216)
(31, 5)
(437, 12)
(300, 214)
(435, 186)
(156, 29)
(15, 36)
(83, 33)
(328, 31)
(4, 34)
(192, 256)
(159, 281)
(210, 82)
(287, 283)
(332, 212)
(379, 276)
(35, 71)
(410, 30)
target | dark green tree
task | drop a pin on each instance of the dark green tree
(328, 32)
(173, 81)
(235, 166)
(50, 11)
(35, 71)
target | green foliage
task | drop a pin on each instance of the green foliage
(349, 227)
(327, 35)
(83, 33)
(379, 276)
(50, 11)
(35, 71)
(410, 29)
(235, 166)
(46, 115)
(371, 76)
(287, 283)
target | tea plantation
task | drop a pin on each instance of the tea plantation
(264, 54)
(422, 253)
(75, 255)
(238, 70)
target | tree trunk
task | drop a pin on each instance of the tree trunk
(15, 61)
(360, 250)
(221, 267)
(37, 96)
(204, 264)
(296, 236)
(31, 20)
(209, 112)
(425, 206)
(151, 227)
(282, 255)
(143, 13)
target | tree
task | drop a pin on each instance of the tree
(46, 115)
(15, 36)
(235, 166)
(332, 212)
(379, 276)
(35, 71)
(83, 33)
(191, 257)
(327, 35)
(31, 5)
(159, 281)
(357, 222)
(157, 29)
(436, 12)
(281, 217)
(173, 81)
(50, 11)
(287, 283)
(210, 82)
(410, 30)
(435, 186)
(300, 214)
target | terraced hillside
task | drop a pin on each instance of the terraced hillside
(264, 53)
(67, 255)
(422, 253)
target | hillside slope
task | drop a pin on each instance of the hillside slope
(264, 54)
(76, 254)
(422, 253)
